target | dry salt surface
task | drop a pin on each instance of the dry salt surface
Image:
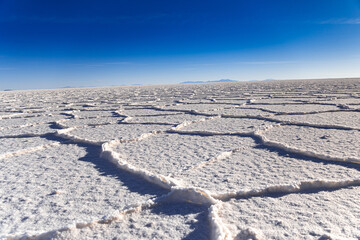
(247, 160)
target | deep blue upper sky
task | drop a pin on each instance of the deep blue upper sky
(48, 44)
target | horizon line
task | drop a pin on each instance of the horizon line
(183, 83)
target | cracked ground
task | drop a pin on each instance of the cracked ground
(247, 160)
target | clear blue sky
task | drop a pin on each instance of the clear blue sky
(49, 44)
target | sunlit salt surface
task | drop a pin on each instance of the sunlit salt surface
(176, 220)
(172, 153)
(59, 186)
(314, 215)
(227, 125)
(294, 108)
(247, 160)
(240, 111)
(346, 119)
(333, 142)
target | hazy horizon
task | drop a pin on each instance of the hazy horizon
(180, 83)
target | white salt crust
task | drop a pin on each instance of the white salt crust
(184, 161)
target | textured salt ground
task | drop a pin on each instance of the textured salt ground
(116, 131)
(63, 185)
(173, 119)
(294, 108)
(91, 121)
(172, 153)
(240, 112)
(336, 143)
(350, 101)
(227, 125)
(196, 101)
(314, 215)
(13, 114)
(29, 119)
(355, 106)
(168, 220)
(9, 145)
(144, 112)
(334, 93)
(90, 104)
(24, 104)
(224, 99)
(28, 130)
(230, 102)
(278, 100)
(8, 113)
(84, 109)
(197, 107)
(252, 167)
(345, 119)
(223, 173)
(94, 114)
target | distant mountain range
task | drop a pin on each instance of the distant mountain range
(214, 81)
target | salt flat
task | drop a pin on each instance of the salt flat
(246, 160)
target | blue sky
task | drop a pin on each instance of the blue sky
(50, 44)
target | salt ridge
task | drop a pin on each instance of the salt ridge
(303, 152)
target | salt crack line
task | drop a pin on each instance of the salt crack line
(248, 116)
(149, 123)
(194, 112)
(159, 115)
(297, 113)
(71, 114)
(296, 187)
(210, 133)
(219, 231)
(25, 135)
(251, 101)
(343, 106)
(57, 123)
(60, 124)
(64, 133)
(199, 133)
(177, 192)
(187, 123)
(63, 126)
(22, 115)
(312, 112)
(14, 115)
(26, 125)
(259, 134)
(25, 115)
(259, 108)
(221, 156)
(321, 103)
(116, 216)
(270, 118)
(314, 125)
(292, 103)
(96, 110)
(126, 119)
(114, 157)
(117, 113)
(29, 150)
(180, 102)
